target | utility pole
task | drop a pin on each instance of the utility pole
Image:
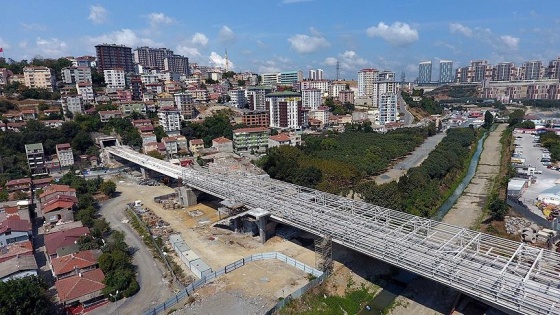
(337, 70)
(227, 62)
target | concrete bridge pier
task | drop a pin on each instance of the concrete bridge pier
(262, 219)
(187, 196)
(143, 171)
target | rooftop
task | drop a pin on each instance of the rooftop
(63, 238)
(63, 146)
(284, 94)
(34, 146)
(17, 264)
(282, 137)
(19, 181)
(79, 260)
(221, 140)
(196, 141)
(254, 129)
(74, 287)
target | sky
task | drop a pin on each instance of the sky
(283, 35)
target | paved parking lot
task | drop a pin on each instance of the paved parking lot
(545, 180)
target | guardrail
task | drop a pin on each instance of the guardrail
(189, 290)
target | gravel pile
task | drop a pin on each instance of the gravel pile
(516, 224)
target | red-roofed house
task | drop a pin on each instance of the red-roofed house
(141, 122)
(60, 209)
(14, 230)
(222, 144)
(22, 184)
(53, 241)
(84, 288)
(195, 145)
(52, 191)
(41, 183)
(70, 265)
(146, 129)
(284, 139)
(16, 250)
(105, 115)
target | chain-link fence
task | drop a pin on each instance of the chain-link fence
(188, 290)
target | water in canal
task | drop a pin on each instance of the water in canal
(446, 206)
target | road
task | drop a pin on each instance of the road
(413, 160)
(408, 118)
(153, 289)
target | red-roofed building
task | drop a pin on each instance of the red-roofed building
(14, 230)
(70, 265)
(222, 144)
(105, 115)
(52, 191)
(14, 126)
(284, 139)
(60, 209)
(22, 184)
(195, 145)
(54, 241)
(41, 182)
(84, 288)
(146, 129)
(141, 122)
(170, 146)
(16, 250)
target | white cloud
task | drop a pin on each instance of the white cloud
(33, 27)
(187, 51)
(396, 34)
(4, 44)
(158, 18)
(51, 47)
(455, 28)
(349, 61)
(97, 14)
(226, 35)
(199, 39)
(219, 61)
(125, 37)
(510, 42)
(305, 44)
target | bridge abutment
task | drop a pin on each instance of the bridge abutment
(187, 196)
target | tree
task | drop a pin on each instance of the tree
(82, 141)
(108, 188)
(24, 296)
(498, 209)
(155, 154)
(20, 195)
(160, 133)
(488, 119)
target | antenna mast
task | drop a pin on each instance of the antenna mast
(227, 62)
(337, 70)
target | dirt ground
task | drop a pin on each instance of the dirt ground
(468, 209)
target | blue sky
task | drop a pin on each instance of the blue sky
(282, 35)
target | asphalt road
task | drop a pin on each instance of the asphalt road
(408, 118)
(153, 289)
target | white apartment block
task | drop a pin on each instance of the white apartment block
(170, 120)
(322, 113)
(149, 78)
(270, 78)
(388, 110)
(238, 98)
(311, 98)
(335, 88)
(285, 110)
(39, 78)
(322, 85)
(85, 90)
(72, 104)
(115, 78)
(71, 75)
(366, 78)
(256, 96)
(65, 155)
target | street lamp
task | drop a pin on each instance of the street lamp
(114, 296)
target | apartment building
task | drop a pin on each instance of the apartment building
(36, 159)
(111, 56)
(85, 91)
(170, 120)
(115, 78)
(425, 72)
(151, 57)
(106, 115)
(176, 64)
(290, 77)
(247, 139)
(311, 98)
(72, 104)
(285, 110)
(256, 96)
(237, 98)
(65, 155)
(446, 71)
(346, 96)
(72, 75)
(184, 102)
(255, 118)
(388, 109)
(315, 74)
(39, 78)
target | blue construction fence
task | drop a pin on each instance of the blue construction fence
(189, 290)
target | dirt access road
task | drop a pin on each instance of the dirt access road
(468, 208)
(153, 288)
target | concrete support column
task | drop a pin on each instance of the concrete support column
(261, 223)
(143, 171)
(187, 196)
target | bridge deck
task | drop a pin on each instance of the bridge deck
(504, 273)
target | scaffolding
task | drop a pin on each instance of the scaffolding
(509, 275)
(323, 254)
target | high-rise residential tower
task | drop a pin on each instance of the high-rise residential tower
(111, 56)
(445, 71)
(425, 72)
